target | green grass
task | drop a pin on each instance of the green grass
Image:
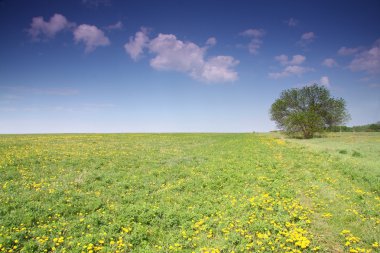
(360, 151)
(188, 193)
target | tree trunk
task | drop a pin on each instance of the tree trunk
(308, 134)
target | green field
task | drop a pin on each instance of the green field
(189, 193)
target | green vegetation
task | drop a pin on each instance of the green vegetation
(357, 149)
(189, 193)
(375, 127)
(308, 110)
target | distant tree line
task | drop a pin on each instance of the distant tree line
(375, 127)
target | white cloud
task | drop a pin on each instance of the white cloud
(329, 62)
(256, 39)
(256, 33)
(296, 59)
(211, 42)
(289, 71)
(306, 38)
(367, 60)
(40, 28)
(292, 66)
(218, 69)
(172, 54)
(325, 81)
(254, 46)
(292, 22)
(117, 26)
(347, 51)
(91, 36)
(282, 59)
(136, 44)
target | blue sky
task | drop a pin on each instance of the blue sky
(180, 66)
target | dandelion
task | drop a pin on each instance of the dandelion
(327, 215)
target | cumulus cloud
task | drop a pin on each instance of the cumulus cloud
(218, 69)
(91, 36)
(256, 33)
(329, 62)
(306, 39)
(117, 26)
(172, 54)
(292, 66)
(211, 42)
(39, 28)
(256, 36)
(325, 81)
(347, 51)
(187, 57)
(136, 44)
(367, 60)
(289, 71)
(283, 59)
(254, 46)
(308, 36)
(296, 59)
(292, 22)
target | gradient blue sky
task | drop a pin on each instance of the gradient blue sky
(180, 66)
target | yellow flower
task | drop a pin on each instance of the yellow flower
(126, 230)
(327, 215)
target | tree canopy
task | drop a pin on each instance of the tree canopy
(308, 110)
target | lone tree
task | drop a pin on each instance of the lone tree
(308, 110)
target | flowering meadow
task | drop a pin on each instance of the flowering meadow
(186, 193)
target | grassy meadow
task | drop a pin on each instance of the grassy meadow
(189, 193)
